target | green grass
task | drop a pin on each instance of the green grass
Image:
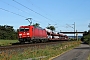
(89, 57)
(35, 54)
(7, 42)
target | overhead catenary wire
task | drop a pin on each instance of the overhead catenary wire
(18, 14)
(13, 12)
(37, 7)
(69, 26)
(33, 11)
(17, 9)
(22, 11)
(30, 2)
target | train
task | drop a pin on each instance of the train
(34, 34)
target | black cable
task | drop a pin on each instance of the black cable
(36, 6)
(33, 10)
(15, 8)
(13, 13)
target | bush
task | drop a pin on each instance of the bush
(86, 37)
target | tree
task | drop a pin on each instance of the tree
(86, 36)
(51, 28)
(85, 33)
(7, 32)
(36, 25)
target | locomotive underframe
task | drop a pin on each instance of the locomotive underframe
(32, 40)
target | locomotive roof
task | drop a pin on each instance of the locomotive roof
(30, 26)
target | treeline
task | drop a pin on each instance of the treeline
(8, 33)
(86, 37)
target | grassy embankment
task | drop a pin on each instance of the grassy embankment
(38, 53)
(89, 54)
(89, 57)
(7, 42)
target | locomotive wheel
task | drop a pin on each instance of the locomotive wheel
(30, 41)
(43, 40)
(22, 42)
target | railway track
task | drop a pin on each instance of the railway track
(36, 45)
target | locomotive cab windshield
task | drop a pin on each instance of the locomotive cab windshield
(24, 29)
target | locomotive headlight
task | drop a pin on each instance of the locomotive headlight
(20, 34)
(27, 33)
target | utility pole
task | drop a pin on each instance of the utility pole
(29, 20)
(76, 35)
(74, 30)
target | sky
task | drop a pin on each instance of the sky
(59, 13)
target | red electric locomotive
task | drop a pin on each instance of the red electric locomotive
(32, 34)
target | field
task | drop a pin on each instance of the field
(7, 42)
(38, 54)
